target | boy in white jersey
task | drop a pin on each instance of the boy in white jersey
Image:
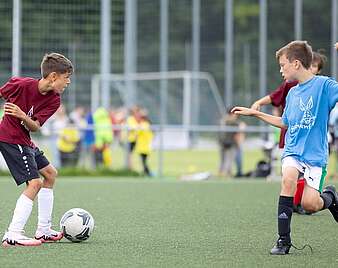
(305, 116)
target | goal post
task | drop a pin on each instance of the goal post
(144, 89)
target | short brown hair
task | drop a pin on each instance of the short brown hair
(55, 62)
(319, 58)
(297, 50)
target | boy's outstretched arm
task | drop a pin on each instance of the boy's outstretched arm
(270, 119)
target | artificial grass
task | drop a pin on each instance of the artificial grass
(167, 223)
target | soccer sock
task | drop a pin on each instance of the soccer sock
(299, 192)
(327, 198)
(45, 208)
(21, 214)
(284, 216)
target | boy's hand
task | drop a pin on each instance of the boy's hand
(256, 106)
(14, 110)
(336, 45)
(243, 111)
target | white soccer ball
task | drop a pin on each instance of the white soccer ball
(77, 224)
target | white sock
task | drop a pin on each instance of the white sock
(45, 208)
(21, 214)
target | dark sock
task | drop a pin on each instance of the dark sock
(285, 208)
(328, 199)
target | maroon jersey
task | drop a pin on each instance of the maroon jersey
(278, 99)
(24, 93)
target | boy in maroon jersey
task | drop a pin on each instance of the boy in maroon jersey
(29, 103)
(278, 99)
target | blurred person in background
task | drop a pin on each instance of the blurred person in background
(58, 122)
(88, 142)
(69, 144)
(144, 140)
(278, 99)
(132, 124)
(103, 137)
(239, 149)
(77, 116)
(229, 141)
(118, 117)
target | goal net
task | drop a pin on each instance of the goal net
(179, 101)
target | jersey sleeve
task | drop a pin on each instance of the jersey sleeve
(12, 87)
(277, 95)
(332, 87)
(285, 120)
(46, 113)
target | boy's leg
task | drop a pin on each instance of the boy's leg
(297, 207)
(146, 169)
(21, 163)
(15, 234)
(239, 161)
(24, 206)
(221, 161)
(229, 158)
(312, 199)
(44, 233)
(46, 200)
(285, 208)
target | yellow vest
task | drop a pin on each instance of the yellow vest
(132, 124)
(102, 128)
(68, 140)
(144, 138)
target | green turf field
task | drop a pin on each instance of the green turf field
(178, 162)
(166, 223)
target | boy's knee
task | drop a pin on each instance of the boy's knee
(50, 174)
(288, 185)
(53, 172)
(35, 183)
(310, 206)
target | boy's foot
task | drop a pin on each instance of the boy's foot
(11, 239)
(282, 247)
(334, 206)
(48, 236)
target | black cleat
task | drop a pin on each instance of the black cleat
(334, 206)
(282, 247)
(300, 210)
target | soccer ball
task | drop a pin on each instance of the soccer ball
(77, 224)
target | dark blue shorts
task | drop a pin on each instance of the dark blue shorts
(23, 162)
